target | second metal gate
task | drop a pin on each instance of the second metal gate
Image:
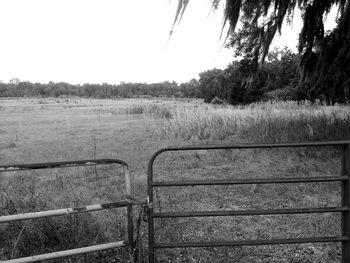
(343, 209)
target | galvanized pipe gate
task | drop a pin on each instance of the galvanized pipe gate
(343, 209)
(128, 202)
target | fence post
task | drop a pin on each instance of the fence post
(129, 215)
(346, 202)
(130, 232)
(151, 251)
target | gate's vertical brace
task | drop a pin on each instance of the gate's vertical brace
(151, 250)
(151, 257)
(129, 195)
(346, 202)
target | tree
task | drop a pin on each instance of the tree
(281, 69)
(241, 83)
(190, 88)
(211, 85)
(325, 56)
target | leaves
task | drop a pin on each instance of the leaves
(325, 57)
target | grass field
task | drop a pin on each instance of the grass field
(39, 130)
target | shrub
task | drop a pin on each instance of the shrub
(162, 111)
(286, 93)
(218, 101)
(179, 94)
(136, 109)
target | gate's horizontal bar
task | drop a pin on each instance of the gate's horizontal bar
(31, 166)
(252, 146)
(66, 211)
(68, 253)
(250, 212)
(251, 242)
(251, 181)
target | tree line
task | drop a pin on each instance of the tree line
(239, 83)
(17, 88)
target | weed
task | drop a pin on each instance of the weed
(158, 110)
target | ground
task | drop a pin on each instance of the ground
(58, 129)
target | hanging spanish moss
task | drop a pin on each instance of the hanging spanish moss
(324, 67)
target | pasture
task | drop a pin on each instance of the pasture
(58, 129)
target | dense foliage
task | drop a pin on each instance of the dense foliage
(239, 83)
(324, 63)
(16, 88)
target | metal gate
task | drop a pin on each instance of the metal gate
(343, 209)
(128, 202)
(153, 246)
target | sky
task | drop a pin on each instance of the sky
(97, 41)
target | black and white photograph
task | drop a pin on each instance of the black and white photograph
(170, 131)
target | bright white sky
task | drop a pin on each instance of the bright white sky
(96, 41)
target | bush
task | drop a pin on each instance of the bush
(161, 111)
(218, 101)
(284, 94)
(179, 94)
(136, 109)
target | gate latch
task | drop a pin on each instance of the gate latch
(146, 208)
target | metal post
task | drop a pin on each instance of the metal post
(129, 215)
(346, 202)
(151, 256)
(130, 233)
(151, 249)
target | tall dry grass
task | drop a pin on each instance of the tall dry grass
(259, 122)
